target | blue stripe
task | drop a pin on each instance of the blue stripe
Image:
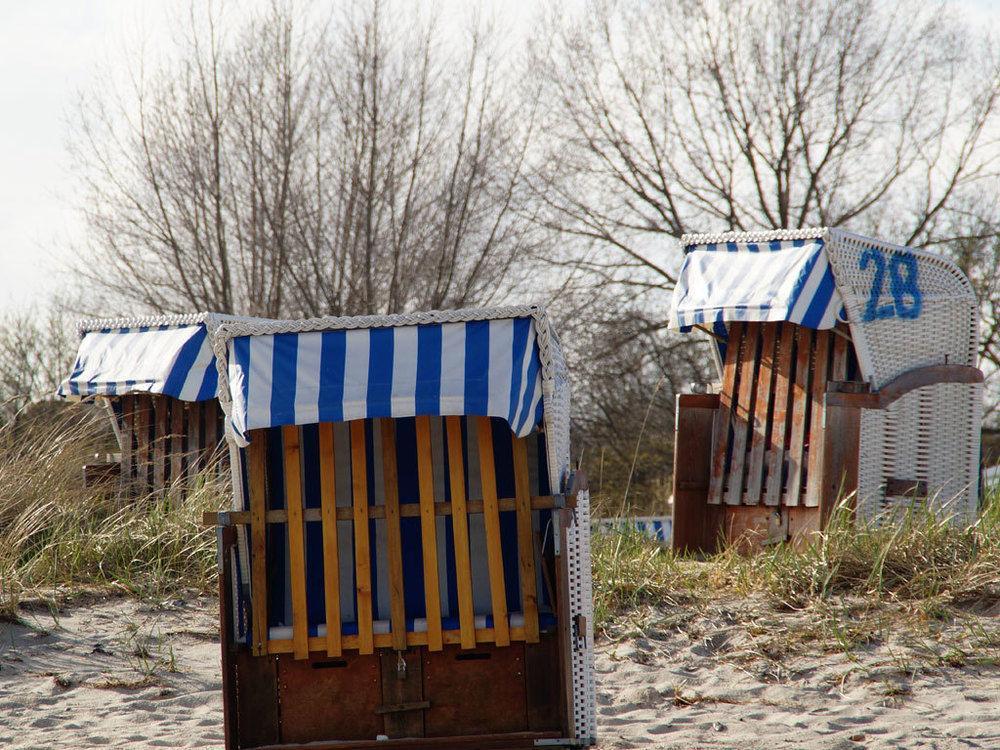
(522, 326)
(380, 355)
(209, 384)
(820, 301)
(800, 283)
(529, 391)
(428, 386)
(477, 354)
(283, 378)
(333, 352)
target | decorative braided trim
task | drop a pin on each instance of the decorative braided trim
(210, 319)
(770, 235)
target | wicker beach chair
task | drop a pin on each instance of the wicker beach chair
(847, 370)
(407, 558)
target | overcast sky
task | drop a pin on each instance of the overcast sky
(49, 51)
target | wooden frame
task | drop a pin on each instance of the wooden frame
(512, 670)
(784, 387)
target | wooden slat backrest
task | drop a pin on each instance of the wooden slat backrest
(428, 533)
(296, 540)
(460, 526)
(491, 521)
(362, 557)
(331, 542)
(817, 434)
(160, 436)
(257, 489)
(128, 437)
(742, 413)
(176, 440)
(390, 479)
(723, 416)
(800, 411)
(525, 544)
(762, 405)
(783, 378)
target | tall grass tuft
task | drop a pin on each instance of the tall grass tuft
(918, 558)
(57, 534)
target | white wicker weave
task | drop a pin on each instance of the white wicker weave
(933, 433)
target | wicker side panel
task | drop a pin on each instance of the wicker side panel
(930, 435)
(581, 600)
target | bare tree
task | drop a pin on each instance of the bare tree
(294, 165)
(35, 349)
(703, 115)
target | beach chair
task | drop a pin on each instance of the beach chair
(407, 558)
(847, 370)
(157, 378)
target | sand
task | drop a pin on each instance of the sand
(118, 673)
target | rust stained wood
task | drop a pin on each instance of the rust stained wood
(142, 419)
(460, 527)
(762, 405)
(743, 413)
(800, 408)
(160, 433)
(783, 375)
(194, 438)
(723, 416)
(296, 539)
(838, 367)
(127, 436)
(491, 521)
(257, 474)
(525, 547)
(362, 555)
(176, 440)
(692, 465)
(428, 533)
(390, 479)
(331, 551)
(817, 431)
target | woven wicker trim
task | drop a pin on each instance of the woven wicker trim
(770, 235)
(210, 319)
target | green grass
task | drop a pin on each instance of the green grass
(58, 536)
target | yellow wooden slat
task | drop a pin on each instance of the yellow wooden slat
(460, 526)
(362, 558)
(257, 472)
(491, 520)
(296, 540)
(390, 478)
(384, 640)
(525, 547)
(428, 534)
(331, 552)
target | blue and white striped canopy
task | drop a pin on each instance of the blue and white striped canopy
(479, 367)
(173, 360)
(786, 280)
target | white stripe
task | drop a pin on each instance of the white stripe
(239, 407)
(525, 363)
(196, 375)
(356, 374)
(404, 371)
(259, 378)
(453, 368)
(529, 422)
(307, 374)
(808, 291)
(500, 365)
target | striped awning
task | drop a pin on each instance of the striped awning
(476, 367)
(783, 280)
(173, 360)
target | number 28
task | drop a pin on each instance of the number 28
(906, 298)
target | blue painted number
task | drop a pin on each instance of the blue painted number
(906, 298)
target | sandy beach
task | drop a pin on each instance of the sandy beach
(119, 673)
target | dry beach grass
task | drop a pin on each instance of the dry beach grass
(872, 636)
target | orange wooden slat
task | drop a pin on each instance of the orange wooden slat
(331, 551)
(817, 433)
(296, 539)
(362, 555)
(525, 545)
(460, 528)
(762, 406)
(742, 413)
(723, 415)
(783, 377)
(390, 480)
(176, 440)
(428, 534)
(257, 473)
(491, 520)
(800, 408)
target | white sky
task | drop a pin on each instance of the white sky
(49, 51)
